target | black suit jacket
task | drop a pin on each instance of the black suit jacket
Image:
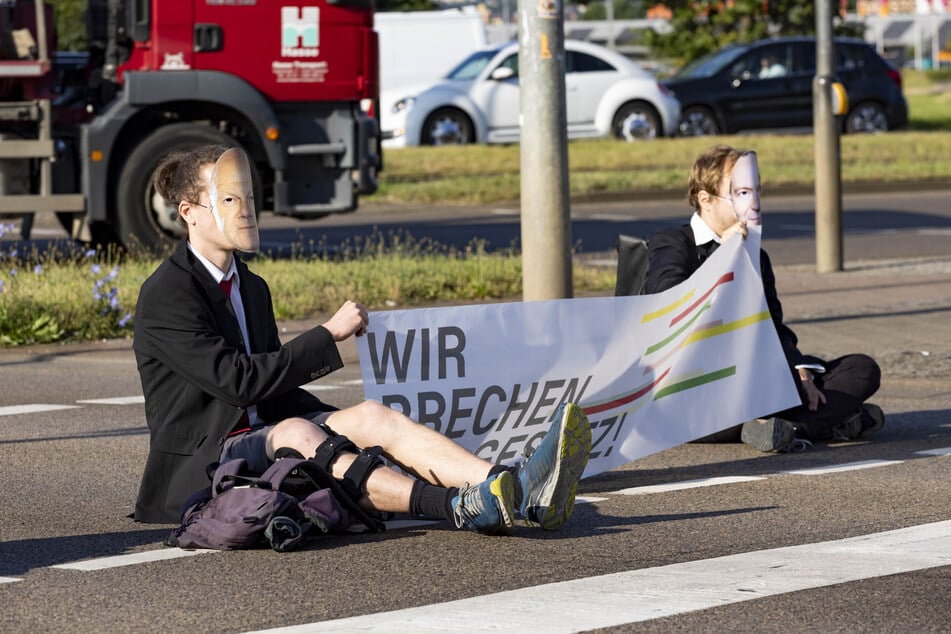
(674, 256)
(198, 379)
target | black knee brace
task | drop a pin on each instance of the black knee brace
(355, 478)
(328, 450)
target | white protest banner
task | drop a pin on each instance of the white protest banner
(651, 371)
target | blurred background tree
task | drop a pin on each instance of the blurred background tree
(407, 5)
(623, 10)
(701, 26)
(70, 17)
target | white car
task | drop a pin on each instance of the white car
(478, 102)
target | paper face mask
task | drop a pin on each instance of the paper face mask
(232, 201)
(744, 189)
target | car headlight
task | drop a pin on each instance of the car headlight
(403, 104)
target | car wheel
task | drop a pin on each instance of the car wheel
(698, 122)
(636, 121)
(447, 126)
(866, 117)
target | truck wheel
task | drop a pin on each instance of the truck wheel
(143, 219)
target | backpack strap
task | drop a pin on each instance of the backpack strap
(279, 470)
(234, 472)
(323, 479)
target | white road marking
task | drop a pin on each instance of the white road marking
(161, 554)
(103, 563)
(35, 408)
(652, 593)
(687, 484)
(848, 466)
(944, 451)
(118, 400)
(583, 499)
(9, 579)
(331, 386)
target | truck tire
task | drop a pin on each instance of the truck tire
(143, 220)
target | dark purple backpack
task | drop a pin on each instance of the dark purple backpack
(294, 498)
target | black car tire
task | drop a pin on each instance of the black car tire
(698, 121)
(866, 117)
(138, 205)
(636, 121)
(447, 126)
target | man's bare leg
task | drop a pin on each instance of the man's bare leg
(414, 447)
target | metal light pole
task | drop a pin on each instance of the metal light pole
(827, 158)
(546, 227)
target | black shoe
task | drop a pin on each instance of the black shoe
(863, 423)
(769, 434)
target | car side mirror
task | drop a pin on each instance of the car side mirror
(502, 73)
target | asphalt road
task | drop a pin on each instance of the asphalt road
(681, 558)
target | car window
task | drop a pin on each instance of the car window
(579, 62)
(805, 55)
(854, 58)
(470, 67)
(765, 62)
(510, 62)
(710, 64)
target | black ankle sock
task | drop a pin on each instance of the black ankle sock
(499, 468)
(430, 500)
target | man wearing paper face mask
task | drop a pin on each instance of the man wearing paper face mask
(220, 385)
(724, 189)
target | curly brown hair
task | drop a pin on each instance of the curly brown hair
(708, 170)
(178, 175)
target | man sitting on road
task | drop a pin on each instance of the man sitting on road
(724, 189)
(220, 385)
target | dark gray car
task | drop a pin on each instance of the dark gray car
(768, 84)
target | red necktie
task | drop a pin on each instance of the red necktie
(243, 423)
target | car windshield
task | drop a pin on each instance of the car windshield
(709, 64)
(470, 67)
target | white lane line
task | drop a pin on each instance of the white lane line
(35, 408)
(9, 579)
(331, 386)
(848, 466)
(103, 563)
(118, 400)
(162, 554)
(687, 484)
(943, 451)
(652, 593)
(584, 499)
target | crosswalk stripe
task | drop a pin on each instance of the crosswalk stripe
(118, 400)
(147, 556)
(651, 593)
(848, 466)
(35, 408)
(326, 387)
(943, 451)
(687, 484)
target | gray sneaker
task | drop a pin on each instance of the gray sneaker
(769, 434)
(486, 508)
(866, 421)
(549, 479)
